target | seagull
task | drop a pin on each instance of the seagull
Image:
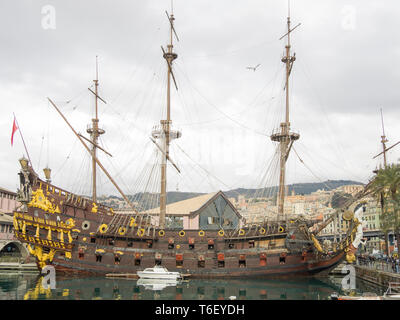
(253, 68)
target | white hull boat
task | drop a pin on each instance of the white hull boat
(158, 272)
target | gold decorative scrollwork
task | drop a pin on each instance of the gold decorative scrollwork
(39, 200)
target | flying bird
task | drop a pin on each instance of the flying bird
(253, 68)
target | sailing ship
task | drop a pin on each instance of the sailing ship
(77, 234)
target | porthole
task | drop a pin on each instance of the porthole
(85, 225)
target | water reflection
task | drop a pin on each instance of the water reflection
(157, 284)
(30, 287)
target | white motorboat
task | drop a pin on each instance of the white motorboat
(158, 272)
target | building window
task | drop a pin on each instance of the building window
(210, 244)
(282, 260)
(98, 257)
(117, 259)
(111, 242)
(157, 262)
(137, 262)
(231, 245)
(130, 244)
(251, 244)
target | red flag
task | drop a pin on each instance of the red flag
(14, 128)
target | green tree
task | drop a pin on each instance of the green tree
(386, 189)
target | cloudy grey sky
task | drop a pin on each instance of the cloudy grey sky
(347, 68)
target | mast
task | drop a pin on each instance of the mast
(284, 136)
(383, 141)
(95, 132)
(164, 131)
(95, 158)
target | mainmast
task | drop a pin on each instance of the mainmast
(95, 132)
(284, 136)
(164, 131)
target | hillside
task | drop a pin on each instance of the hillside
(299, 188)
(150, 200)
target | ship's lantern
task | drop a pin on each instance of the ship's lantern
(24, 163)
(221, 257)
(47, 174)
(158, 256)
(210, 244)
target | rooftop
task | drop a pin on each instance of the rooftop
(5, 218)
(185, 207)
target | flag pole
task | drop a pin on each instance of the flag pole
(23, 141)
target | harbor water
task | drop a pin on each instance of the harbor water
(23, 286)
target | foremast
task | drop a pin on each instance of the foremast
(284, 136)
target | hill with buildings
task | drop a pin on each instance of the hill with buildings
(298, 188)
(150, 200)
